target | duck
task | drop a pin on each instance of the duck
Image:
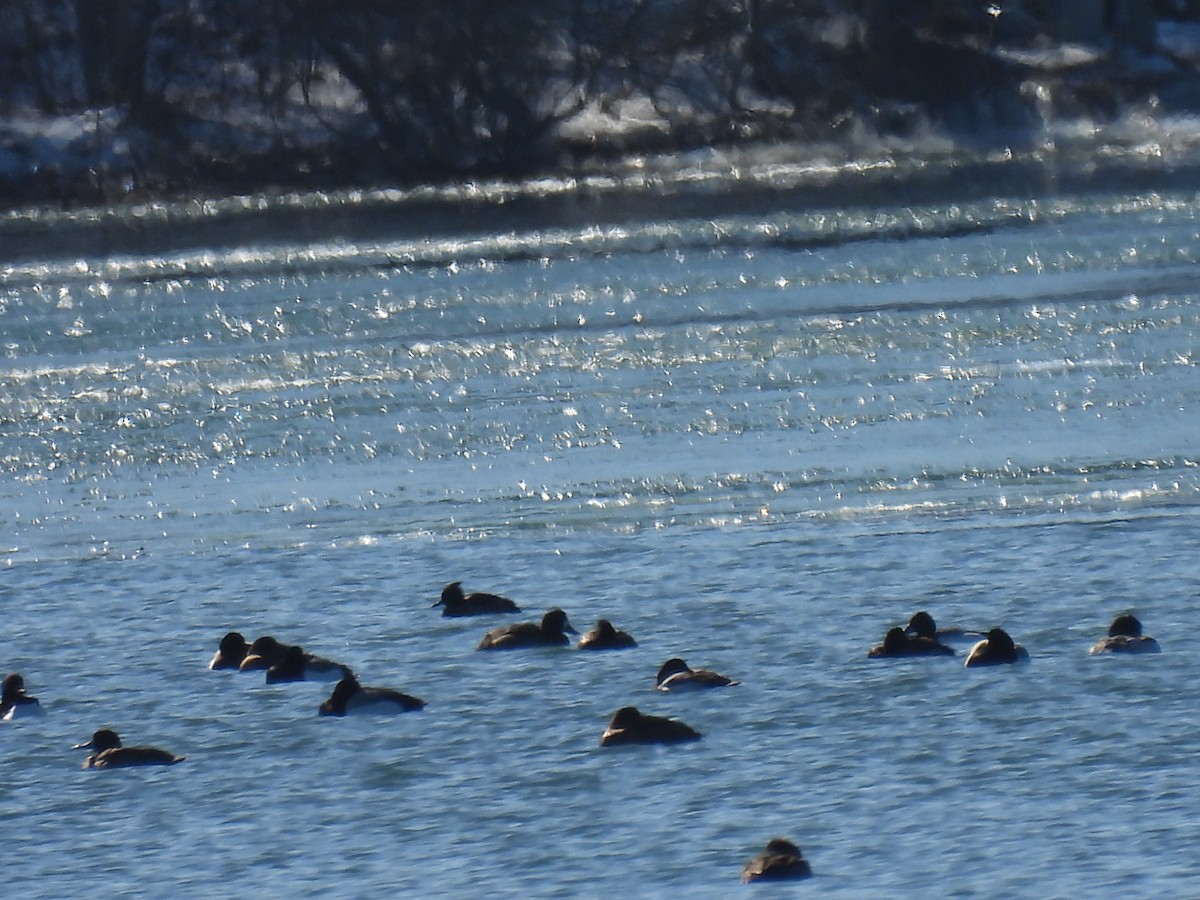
(676, 675)
(350, 697)
(605, 637)
(296, 665)
(263, 653)
(995, 649)
(1125, 636)
(455, 603)
(630, 726)
(899, 643)
(112, 754)
(922, 624)
(550, 632)
(14, 702)
(780, 861)
(230, 652)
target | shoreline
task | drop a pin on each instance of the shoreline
(663, 188)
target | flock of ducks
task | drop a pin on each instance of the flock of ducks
(780, 860)
(922, 637)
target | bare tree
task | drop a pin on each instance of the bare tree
(451, 85)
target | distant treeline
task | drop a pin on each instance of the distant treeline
(188, 93)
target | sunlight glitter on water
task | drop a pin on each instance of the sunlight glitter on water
(754, 440)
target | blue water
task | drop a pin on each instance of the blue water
(753, 440)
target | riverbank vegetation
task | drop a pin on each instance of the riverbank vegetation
(104, 101)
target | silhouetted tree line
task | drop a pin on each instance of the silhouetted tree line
(250, 92)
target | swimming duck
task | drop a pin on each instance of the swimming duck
(547, 633)
(296, 665)
(996, 649)
(350, 697)
(629, 726)
(110, 754)
(780, 861)
(605, 637)
(897, 643)
(923, 625)
(230, 652)
(455, 603)
(676, 675)
(1125, 636)
(263, 653)
(14, 702)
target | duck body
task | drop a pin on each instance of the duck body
(15, 703)
(780, 861)
(351, 698)
(230, 652)
(455, 603)
(1120, 643)
(677, 675)
(605, 637)
(296, 665)
(112, 754)
(996, 649)
(897, 643)
(630, 726)
(1125, 636)
(550, 632)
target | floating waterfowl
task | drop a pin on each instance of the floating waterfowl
(350, 697)
(15, 703)
(550, 632)
(455, 603)
(629, 726)
(1125, 636)
(897, 643)
(263, 653)
(996, 649)
(676, 675)
(605, 637)
(780, 861)
(922, 624)
(296, 665)
(231, 652)
(111, 754)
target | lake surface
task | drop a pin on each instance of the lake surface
(755, 439)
